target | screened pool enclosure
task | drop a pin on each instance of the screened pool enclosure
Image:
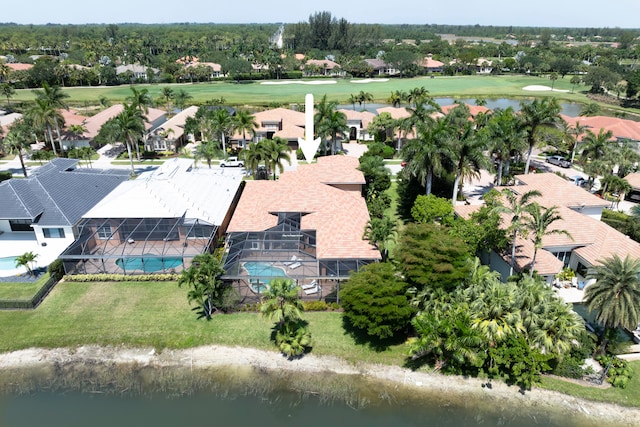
(137, 245)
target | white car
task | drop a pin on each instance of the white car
(231, 162)
(559, 161)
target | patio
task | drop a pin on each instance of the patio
(15, 244)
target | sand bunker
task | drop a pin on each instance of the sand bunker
(370, 81)
(300, 82)
(539, 88)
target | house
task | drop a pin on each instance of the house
(307, 226)
(474, 110)
(430, 65)
(157, 222)
(380, 68)
(622, 129)
(358, 122)
(277, 122)
(138, 72)
(590, 240)
(634, 180)
(170, 134)
(322, 67)
(40, 213)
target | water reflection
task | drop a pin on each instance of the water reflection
(568, 109)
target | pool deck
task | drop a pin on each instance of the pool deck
(15, 244)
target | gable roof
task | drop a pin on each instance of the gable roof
(50, 197)
(95, 123)
(177, 122)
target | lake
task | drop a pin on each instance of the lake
(112, 395)
(568, 109)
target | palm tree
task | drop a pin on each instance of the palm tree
(381, 232)
(16, 142)
(616, 294)
(253, 155)
(207, 150)
(180, 99)
(26, 260)
(535, 115)
(469, 158)
(276, 152)
(129, 126)
(42, 115)
(352, 100)
(167, 94)
(516, 208)
(42, 155)
(596, 151)
(364, 97)
(396, 98)
(504, 137)
(7, 91)
(418, 95)
(54, 97)
(333, 124)
(245, 122)
(425, 156)
(140, 99)
(538, 223)
(281, 303)
(495, 311)
(223, 124)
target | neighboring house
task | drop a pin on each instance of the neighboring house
(278, 122)
(474, 110)
(157, 222)
(634, 181)
(138, 72)
(381, 68)
(7, 119)
(44, 209)
(430, 65)
(591, 239)
(214, 70)
(170, 135)
(622, 129)
(17, 66)
(358, 122)
(484, 66)
(322, 67)
(307, 226)
(93, 124)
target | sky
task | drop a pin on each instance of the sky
(536, 13)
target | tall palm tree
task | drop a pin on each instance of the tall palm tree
(535, 115)
(334, 124)
(167, 94)
(223, 124)
(16, 142)
(245, 122)
(42, 115)
(538, 223)
(180, 99)
(418, 95)
(252, 156)
(516, 208)
(281, 302)
(425, 156)
(616, 294)
(504, 138)
(129, 127)
(54, 97)
(468, 156)
(596, 152)
(276, 152)
(364, 97)
(7, 90)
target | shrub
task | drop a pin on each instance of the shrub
(618, 370)
(56, 269)
(315, 306)
(121, 278)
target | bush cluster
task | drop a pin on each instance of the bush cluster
(619, 372)
(121, 278)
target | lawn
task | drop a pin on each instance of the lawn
(157, 314)
(256, 93)
(21, 291)
(629, 396)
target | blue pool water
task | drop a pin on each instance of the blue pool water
(8, 263)
(148, 265)
(261, 273)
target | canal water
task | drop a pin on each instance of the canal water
(113, 395)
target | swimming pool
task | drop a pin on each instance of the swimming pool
(148, 265)
(8, 263)
(261, 273)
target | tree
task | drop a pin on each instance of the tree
(431, 209)
(207, 150)
(7, 90)
(381, 232)
(245, 122)
(425, 156)
(575, 80)
(54, 98)
(223, 124)
(616, 294)
(516, 208)
(206, 290)
(468, 157)
(180, 99)
(16, 142)
(42, 116)
(325, 110)
(538, 224)
(375, 301)
(280, 302)
(26, 260)
(129, 126)
(140, 99)
(168, 94)
(364, 97)
(596, 153)
(504, 138)
(276, 152)
(537, 114)
(333, 125)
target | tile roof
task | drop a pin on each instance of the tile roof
(177, 122)
(339, 217)
(51, 196)
(324, 63)
(331, 170)
(633, 179)
(621, 128)
(396, 113)
(473, 109)
(365, 117)
(429, 62)
(94, 123)
(556, 191)
(20, 66)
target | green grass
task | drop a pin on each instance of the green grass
(21, 291)
(157, 314)
(629, 396)
(255, 93)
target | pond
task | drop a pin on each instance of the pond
(568, 109)
(107, 395)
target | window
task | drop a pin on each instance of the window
(104, 232)
(20, 224)
(53, 233)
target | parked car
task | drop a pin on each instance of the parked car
(559, 161)
(231, 162)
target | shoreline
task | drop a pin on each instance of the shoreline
(214, 356)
